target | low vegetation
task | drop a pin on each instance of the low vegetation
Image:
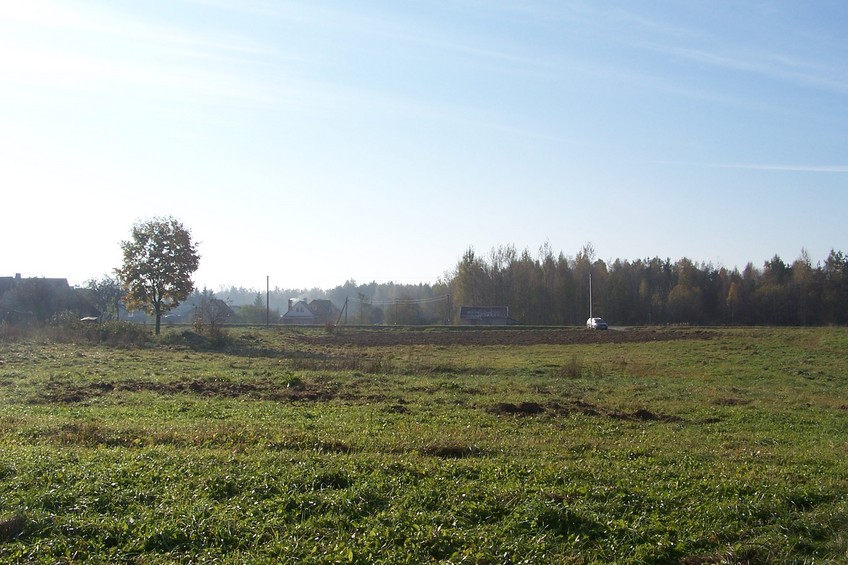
(396, 446)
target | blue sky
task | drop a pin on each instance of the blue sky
(316, 142)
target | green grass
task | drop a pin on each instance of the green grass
(287, 446)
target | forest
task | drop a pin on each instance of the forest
(553, 289)
(548, 288)
(542, 288)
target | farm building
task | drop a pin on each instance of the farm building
(316, 312)
(485, 315)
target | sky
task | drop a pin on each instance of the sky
(315, 142)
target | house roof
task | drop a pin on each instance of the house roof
(318, 310)
(293, 311)
(321, 307)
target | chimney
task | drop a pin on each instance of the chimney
(291, 300)
(17, 276)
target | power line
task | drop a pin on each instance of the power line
(429, 300)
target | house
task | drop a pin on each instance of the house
(485, 315)
(8, 283)
(39, 298)
(209, 310)
(316, 312)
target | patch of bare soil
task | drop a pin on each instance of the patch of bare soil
(398, 408)
(578, 407)
(68, 393)
(488, 336)
(12, 527)
(643, 415)
(731, 402)
(59, 391)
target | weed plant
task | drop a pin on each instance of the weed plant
(294, 446)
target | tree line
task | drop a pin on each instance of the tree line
(361, 303)
(547, 288)
(543, 289)
(553, 289)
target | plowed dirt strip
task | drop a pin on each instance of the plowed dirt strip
(376, 338)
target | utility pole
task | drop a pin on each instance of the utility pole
(590, 294)
(343, 313)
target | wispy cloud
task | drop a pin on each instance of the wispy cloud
(839, 169)
(777, 167)
(684, 41)
(388, 28)
(93, 47)
(771, 65)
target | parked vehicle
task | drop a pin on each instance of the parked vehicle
(596, 324)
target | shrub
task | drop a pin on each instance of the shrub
(208, 340)
(65, 319)
(573, 369)
(122, 333)
(10, 331)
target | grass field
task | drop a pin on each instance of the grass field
(292, 445)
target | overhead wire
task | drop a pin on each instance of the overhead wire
(426, 300)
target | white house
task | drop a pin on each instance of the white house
(316, 312)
